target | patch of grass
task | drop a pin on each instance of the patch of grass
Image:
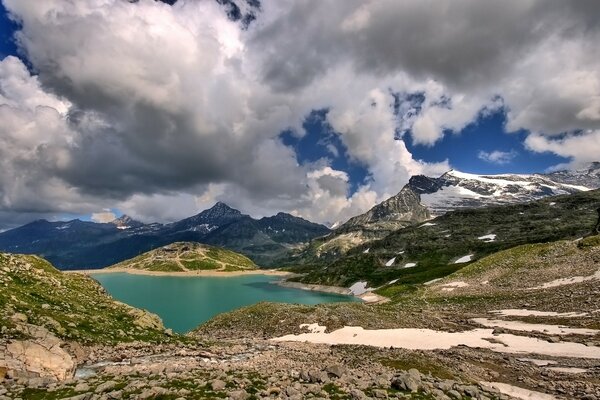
(72, 306)
(588, 242)
(201, 264)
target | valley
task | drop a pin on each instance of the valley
(498, 301)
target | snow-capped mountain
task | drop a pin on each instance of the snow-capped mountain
(126, 222)
(425, 197)
(454, 189)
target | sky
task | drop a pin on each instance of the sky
(319, 108)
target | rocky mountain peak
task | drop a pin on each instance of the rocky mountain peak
(221, 209)
(398, 211)
(126, 222)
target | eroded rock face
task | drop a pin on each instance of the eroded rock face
(41, 355)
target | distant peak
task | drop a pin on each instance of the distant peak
(220, 206)
(123, 218)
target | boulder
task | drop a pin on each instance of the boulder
(44, 358)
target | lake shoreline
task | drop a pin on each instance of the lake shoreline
(205, 273)
(367, 297)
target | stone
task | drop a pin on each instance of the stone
(357, 394)
(471, 391)
(336, 370)
(380, 394)
(406, 382)
(105, 387)
(318, 376)
(238, 395)
(453, 394)
(42, 356)
(218, 385)
(82, 387)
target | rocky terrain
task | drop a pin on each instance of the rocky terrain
(186, 257)
(523, 323)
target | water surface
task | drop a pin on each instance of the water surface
(184, 302)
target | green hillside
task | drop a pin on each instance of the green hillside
(435, 246)
(188, 256)
(71, 306)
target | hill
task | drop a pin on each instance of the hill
(188, 256)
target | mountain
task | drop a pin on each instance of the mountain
(440, 246)
(188, 256)
(454, 189)
(126, 222)
(87, 245)
(425, 197)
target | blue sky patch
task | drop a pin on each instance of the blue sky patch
(322, 142)
(463, 149)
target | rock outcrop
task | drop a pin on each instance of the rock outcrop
(41, 355)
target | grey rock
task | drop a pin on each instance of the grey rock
(82, 387)
(406, 382)
(453, 394)
(105, 387)
(218, 385)
(357, 394)
(238, 395)
(336, 370)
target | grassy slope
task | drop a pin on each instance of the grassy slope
(507, 272)
(435, 247)
(182, 256)
(72, 306)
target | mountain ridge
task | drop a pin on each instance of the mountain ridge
(79, 244)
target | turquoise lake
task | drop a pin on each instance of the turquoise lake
(185, 302)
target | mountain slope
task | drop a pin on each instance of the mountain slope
(399, 211)
(71, 306)
(445, 244)
(425, 196)
(88, 245)
(182, 256)
(455, 190)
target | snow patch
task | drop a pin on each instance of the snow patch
(488, 238)
(533, 313)
(390, 262)
(393, 281)
(314, 328)
(519, 393)
(409, 265)
(568, 281)
(450, 286)
(359, 288)
(568, 370)
(427, 224)
(366, 251)
(428, 339)
(527, 327)
(535, 361)
(464, 259)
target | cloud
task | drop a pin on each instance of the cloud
(497, 156)
(104, 216)
(582, 148)
(159, 110)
